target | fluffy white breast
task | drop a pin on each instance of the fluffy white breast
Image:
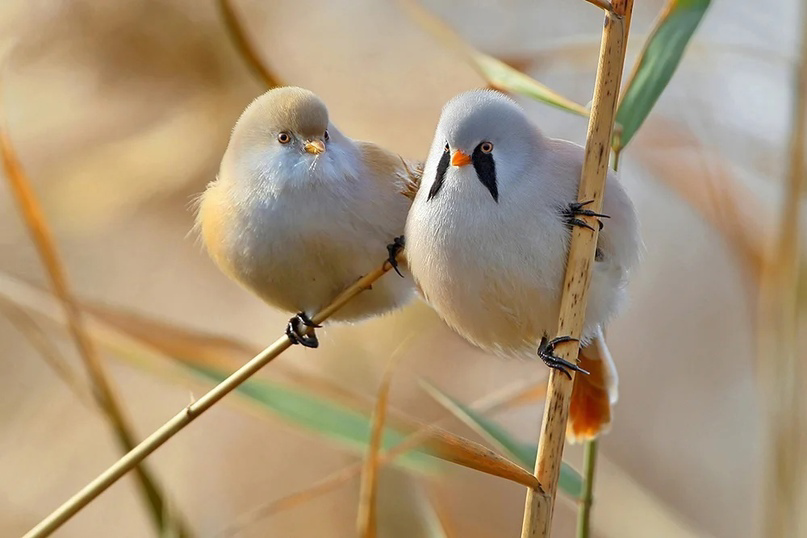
(303, 229)
(494, 271)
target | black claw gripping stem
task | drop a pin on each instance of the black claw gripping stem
(546, 350)
(393, 249)
(297, 335)
(577, 209)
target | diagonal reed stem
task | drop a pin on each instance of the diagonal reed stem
(538, 505)
(117, 470)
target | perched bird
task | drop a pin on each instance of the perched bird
(300, 211)
(488, 235)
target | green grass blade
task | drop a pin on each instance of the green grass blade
(661, 55)
(498, 74)
(508, 79)
(570, 482)
(319, 415)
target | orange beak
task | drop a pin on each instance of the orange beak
(315, 147)
(460, 159)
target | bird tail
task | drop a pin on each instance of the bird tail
(593, 395)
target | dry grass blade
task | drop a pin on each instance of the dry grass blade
(210, 350)
(469, 454)
(118, 341)
(539, 506)
(420, 437)
(783, 368)
(40, 341)
(171, 340)
(366, 517)
(103, 390)
(140, 452)
(245, 48)
(305, 404)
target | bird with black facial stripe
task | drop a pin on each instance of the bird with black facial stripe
(487, 240)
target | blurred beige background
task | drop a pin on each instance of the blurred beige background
(120, 112)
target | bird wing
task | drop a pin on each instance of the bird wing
(593, 395)
(406, 174)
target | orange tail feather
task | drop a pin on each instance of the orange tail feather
(592, 395)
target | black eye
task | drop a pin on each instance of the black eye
(447, 149)
(284, 138)
(486, 147)
(327, 136)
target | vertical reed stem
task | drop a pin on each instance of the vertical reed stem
(589, 471)
(781, 363)
(538, 506)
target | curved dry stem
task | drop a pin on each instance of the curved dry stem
(236, 31)
(366, 517)
(103, 389)
(41, 342)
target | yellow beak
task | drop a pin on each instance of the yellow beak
(460, 159)
(315, 146)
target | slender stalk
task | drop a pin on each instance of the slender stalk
(103, 390)
(244, 45)
(367, 517)
(539, 505)
(589, 472)
(154, 441)
(781, 363)
(47, 349)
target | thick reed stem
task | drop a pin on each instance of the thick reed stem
(538, 506)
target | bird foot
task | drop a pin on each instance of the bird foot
(577, 209)
(394, 249)
(297, 335)
(546, 350)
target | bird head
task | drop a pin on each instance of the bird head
(284, 136)
(483, 141)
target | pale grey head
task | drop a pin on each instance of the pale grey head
(487, 130)
(284, 138)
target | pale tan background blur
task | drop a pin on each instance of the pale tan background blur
(120, 112)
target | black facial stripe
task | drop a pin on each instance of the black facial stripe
(486, 170)
(442, 166)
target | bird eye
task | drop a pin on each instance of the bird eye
(447, 149)
(486, 147)
(284, 138)
(327, 136)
